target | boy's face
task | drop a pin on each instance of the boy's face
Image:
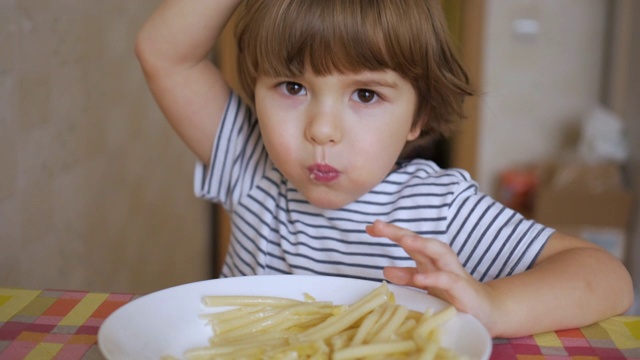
(335, 137)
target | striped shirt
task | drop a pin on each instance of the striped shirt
(276, 231)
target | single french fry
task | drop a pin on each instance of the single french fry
(432, 322)
(255, 337)
(212, 301)
(222, 349)
(221, 326)
(383, 348)
(234, 313)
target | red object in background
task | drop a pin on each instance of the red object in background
(517, 189)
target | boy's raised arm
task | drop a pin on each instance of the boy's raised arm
(173, 47)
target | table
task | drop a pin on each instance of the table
(59, 324)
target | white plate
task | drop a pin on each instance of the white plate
(166, 322)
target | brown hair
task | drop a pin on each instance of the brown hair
(279, 38)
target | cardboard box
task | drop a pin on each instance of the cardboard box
(585, 200)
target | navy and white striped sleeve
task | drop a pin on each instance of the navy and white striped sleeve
(491, 240)
(237, 157)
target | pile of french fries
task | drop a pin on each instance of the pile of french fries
(374, 327)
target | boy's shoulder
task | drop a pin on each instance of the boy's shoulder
(419, 179)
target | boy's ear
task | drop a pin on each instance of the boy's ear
(414, 133)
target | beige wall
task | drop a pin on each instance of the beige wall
(95, 188)
(536, 88)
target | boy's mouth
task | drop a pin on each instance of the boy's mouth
(323, 173)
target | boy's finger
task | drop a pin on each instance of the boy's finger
(390, 231)
(433, 251)
(429, 254)
(400, 275)
(401, 236)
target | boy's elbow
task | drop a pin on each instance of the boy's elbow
(621, 284)
(138, 46)
(154, 57)
(148, 52)
(630, 303)
(628, 292)
(142, 49)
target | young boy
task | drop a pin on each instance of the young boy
(314, 171)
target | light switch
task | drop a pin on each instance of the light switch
(526, 30)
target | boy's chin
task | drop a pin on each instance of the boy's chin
(328, 201)
(328, 205)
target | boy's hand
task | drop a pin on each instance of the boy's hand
(439, 272)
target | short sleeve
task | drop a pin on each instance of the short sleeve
(491, 240)
(238, 157)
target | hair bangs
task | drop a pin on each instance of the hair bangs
(320, 36)
(346, 46)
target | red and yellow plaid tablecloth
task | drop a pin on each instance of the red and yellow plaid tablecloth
(614, 338)
(52, 324)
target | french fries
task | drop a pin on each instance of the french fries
(374, 327)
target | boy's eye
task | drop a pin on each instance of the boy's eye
(293, 88)
(365, 96)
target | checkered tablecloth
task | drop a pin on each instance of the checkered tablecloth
(611, 339)
(51, 324)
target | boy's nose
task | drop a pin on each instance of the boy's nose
(323, 126)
